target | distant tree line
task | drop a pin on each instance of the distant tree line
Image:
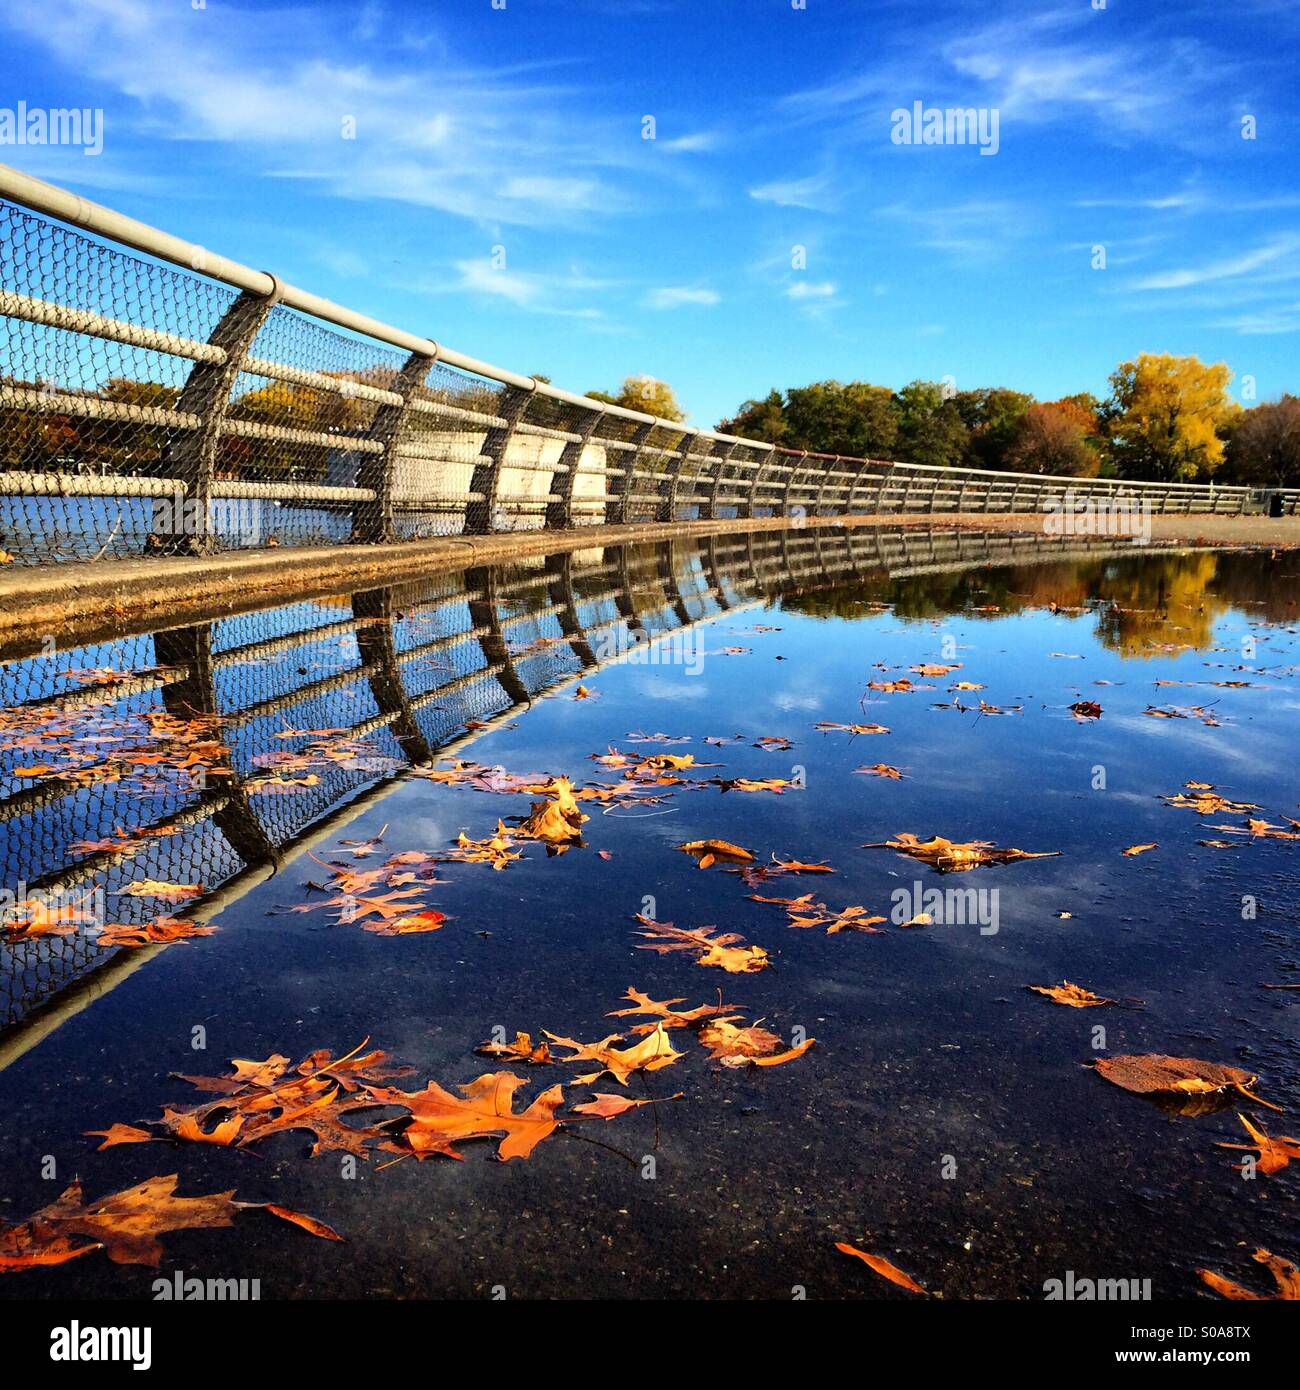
(1166, 419)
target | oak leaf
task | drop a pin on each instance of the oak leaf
(721, 950)
(1073, 996)
(1274, 1154)
(438, 1119)
(652, 1053)
(952, 856)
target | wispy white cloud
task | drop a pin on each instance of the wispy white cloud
(813, 192)
(1228, 267)
(535, 293)
(812, 289)
(678, 297)
(429, 130)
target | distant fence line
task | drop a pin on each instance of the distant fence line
(184, 403)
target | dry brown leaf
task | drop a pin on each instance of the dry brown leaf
(1274, 1154)
(1285, 1275)
(952, 856)
(439, 1119)
(722, 950)
(652, 1053)
(883, 1267)
(1155, 1074)
(1073, 996)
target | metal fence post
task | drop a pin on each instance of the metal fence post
(372, 521)
(190, 456)
(565, 478)
(485, 482)
(722, 452)
(667, 508)
(618, 504)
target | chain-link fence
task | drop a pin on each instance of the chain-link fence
(156, 399)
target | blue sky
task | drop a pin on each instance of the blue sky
(479, 128)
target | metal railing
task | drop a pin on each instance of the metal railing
(185, 403)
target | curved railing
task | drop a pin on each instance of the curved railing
(157, 398)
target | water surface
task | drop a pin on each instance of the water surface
(945, 1116)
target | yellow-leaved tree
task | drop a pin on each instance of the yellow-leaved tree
(1166, 414)
(647, 394)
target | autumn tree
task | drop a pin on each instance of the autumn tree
(646, 394)
(1165, 415)
(1051, 439)
(1264, 449)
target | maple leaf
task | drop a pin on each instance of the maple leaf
(882, 1267)
(1133, 850)
(892, 774)
(438, 1119)
(951, 856)
(720, 950)
(1274, 1154)
(1285, 1275)
(652, 1053)
(935, 669)
(1155, 1074)
(1073, 996)
(1086, 709)
(522, 1049)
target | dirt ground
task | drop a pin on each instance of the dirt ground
(1198, 529)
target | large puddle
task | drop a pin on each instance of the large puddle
(946, 1116)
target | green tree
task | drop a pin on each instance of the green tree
(993, 416)
(757, 419)
(930, 427)
(830, 417)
